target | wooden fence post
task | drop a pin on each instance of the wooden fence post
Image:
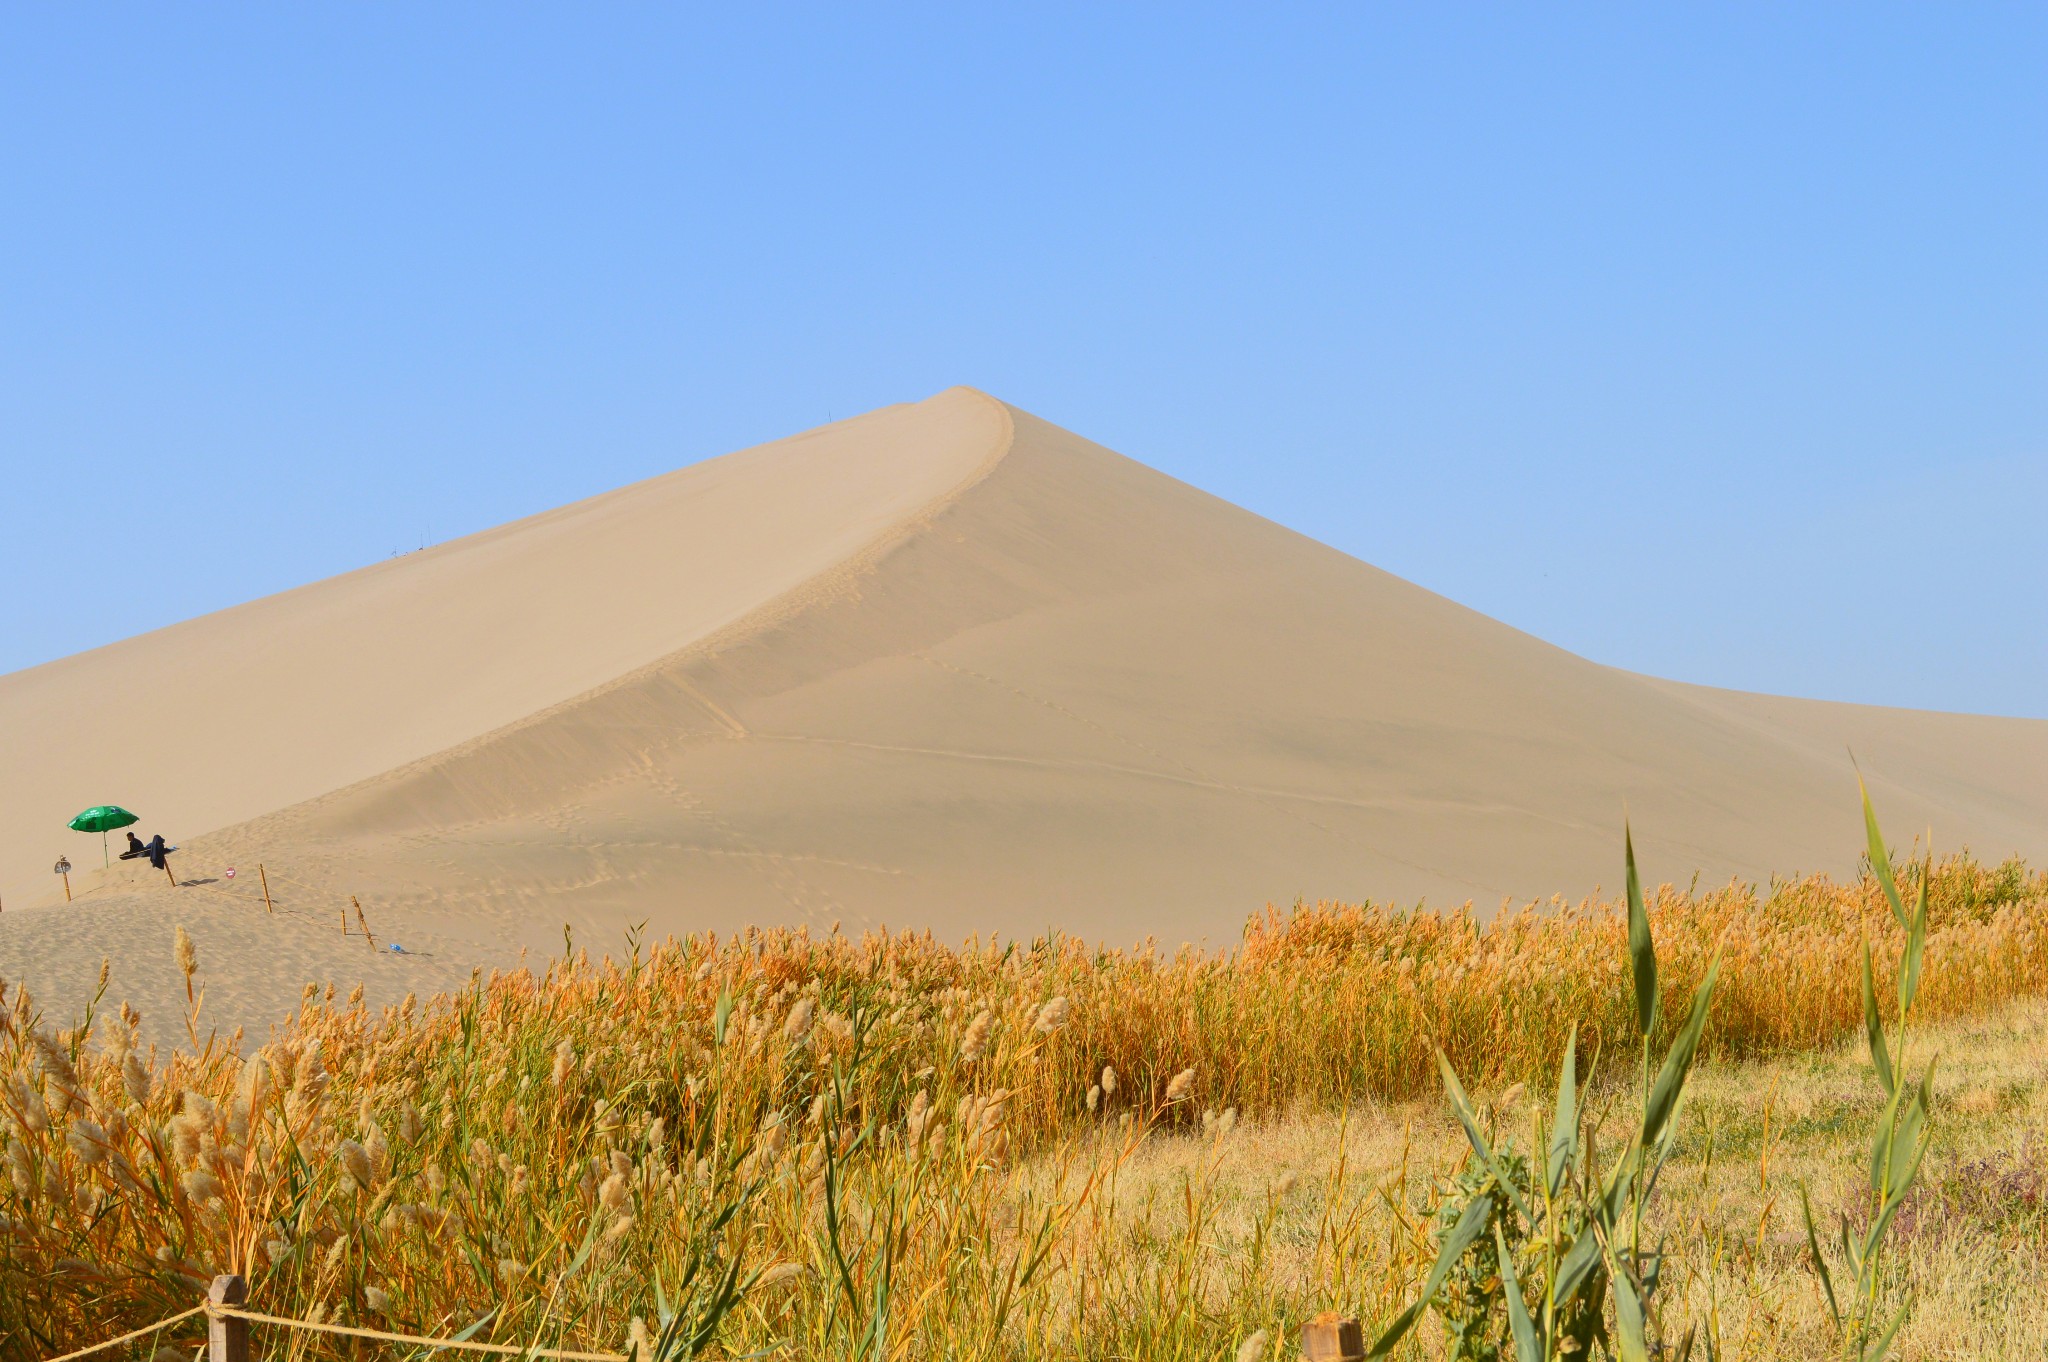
(1330, 1338)
(227, 1338)
(266, 889)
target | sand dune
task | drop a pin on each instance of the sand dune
(298, 694)
(944, 665)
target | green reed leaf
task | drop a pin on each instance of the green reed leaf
(1881, 858)
(1881, 1142)
(1916, 944)
(1820, 1264)
(1884, 1344)
(1901, 1140)
(1665, 1143)
(1910, 1146)
(1564, 1125)
(1461, 1106)
(1471, 1224)
(1873, 1027)
(722, 1014)
(1528, 1348)
(1678, 1060)
(1642, 953)
(466, 1334)
(1628, 1318)
(1578, 1265)
(1873, 1242)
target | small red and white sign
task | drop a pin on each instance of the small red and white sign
(231, 872)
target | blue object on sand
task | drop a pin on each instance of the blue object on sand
(396, 947)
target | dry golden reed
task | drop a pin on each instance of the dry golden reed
(780, 1141)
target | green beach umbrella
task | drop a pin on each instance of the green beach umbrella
(103, 819)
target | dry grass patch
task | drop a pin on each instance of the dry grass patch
(889, 1148)
(1274, 1198)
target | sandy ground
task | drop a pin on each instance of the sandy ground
(943, 665)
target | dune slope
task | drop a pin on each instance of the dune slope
(951, 666)
(235, 714)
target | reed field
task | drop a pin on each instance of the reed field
(799, 1146)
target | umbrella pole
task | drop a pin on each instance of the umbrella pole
(105, 860)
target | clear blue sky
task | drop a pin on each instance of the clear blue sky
(1705, 341)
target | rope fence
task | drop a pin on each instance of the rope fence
(131, 1336)
(503, 1349)
(228, 1324)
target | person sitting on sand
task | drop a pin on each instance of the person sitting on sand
(135, 848)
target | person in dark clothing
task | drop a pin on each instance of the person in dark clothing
(160, 856)
(135, 848)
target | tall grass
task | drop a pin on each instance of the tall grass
(819, 1144)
